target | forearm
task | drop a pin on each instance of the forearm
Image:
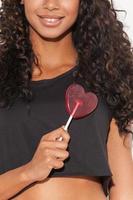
(121, 197)
(125, 193)
(13, 182)
(123, 184)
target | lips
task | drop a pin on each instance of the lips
(50, 20)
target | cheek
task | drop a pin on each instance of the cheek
(72, 9)
(30, 7)
(68, 8)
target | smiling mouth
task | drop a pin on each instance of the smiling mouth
(50, 21)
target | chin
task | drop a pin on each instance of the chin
(53, 35)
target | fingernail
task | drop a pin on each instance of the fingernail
(60, 138)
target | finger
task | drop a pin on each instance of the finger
(55, 144)
(51, 136)
(54, 135)
(65, 136)
(56, 164)
(57, 153)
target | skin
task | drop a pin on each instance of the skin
(58, 43)
(119, 148)
(52, 41)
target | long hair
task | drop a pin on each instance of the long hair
(104, 54)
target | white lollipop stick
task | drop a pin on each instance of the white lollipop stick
(71, 116)
(70, 119)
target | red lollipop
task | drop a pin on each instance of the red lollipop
(79, 103)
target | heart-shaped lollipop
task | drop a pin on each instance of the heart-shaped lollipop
(87, 101)
(79, 103)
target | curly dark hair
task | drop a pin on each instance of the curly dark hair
(104, 53)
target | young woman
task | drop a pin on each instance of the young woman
(45, 46)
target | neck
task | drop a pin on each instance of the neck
(53, 53)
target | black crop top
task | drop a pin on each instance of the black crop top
(21, 131)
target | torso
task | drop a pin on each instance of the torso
(64, 188)
(87, 187)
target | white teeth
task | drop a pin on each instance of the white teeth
(51, 20)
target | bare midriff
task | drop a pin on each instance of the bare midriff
(64, 188)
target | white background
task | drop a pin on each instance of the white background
(127, 18)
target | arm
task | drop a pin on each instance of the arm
(38, 169)
(13, 182)
(121, 164)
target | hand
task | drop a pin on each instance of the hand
(50, 154)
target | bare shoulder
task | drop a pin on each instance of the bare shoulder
(119, 149)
